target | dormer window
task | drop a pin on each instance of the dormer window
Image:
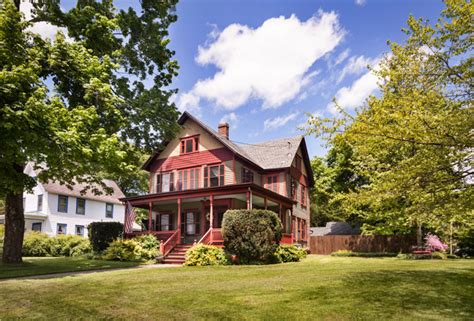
(189, 145)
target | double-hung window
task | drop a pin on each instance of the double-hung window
(271, 182)
(40, 203)
(303, 196)
(189, 145)
(247, 175)
(36, 226)
(165, 182)
(165, 222)
(80, 230)
(214, 175)
(80, 206)
(188, 179)
(62, 203)
(61, 228)
(109, 210)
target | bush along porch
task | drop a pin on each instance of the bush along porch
(201, 174)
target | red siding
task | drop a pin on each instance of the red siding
(192, 160)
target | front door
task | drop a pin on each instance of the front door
(191, 226)
(218, 216)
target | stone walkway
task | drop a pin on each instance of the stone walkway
(63, 274)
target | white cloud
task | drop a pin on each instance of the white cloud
(271, 63)
(45, 29)
(353, 96)
(341, 57)
(360, 2)
(232, 119)
(189, 102)
(273, 123)
(355, 66)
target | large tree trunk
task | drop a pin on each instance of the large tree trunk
(14, 225)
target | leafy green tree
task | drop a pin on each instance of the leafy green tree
(414, 141)
(97, 111)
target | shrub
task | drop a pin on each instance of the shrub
(347, 253)
(147, 241)
(130, 250)
(40, 244)
(36, 244)
(102, 233)
(405, 256)
(253, 235)
(202, 255)
(289, 253)
(434, 243)
(439, 256)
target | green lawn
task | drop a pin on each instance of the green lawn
(46, 265)
(326, 288)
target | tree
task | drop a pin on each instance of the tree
(334, 177)
(96, 113)
(414, 141)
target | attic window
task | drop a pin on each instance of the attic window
(189, 145)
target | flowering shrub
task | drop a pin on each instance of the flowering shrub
(434, 243)
(202, 255)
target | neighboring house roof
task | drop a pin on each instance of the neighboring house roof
(273, 154)
(56, 188)
(335, 228)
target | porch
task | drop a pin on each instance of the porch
(195, 216)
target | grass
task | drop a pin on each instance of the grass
(320, 287)
(46, 265)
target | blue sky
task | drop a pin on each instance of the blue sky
(262, 65)
(237, 75)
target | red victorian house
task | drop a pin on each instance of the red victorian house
(201, 173)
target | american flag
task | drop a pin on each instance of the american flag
(129, 218)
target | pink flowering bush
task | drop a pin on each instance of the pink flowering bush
(434, 243)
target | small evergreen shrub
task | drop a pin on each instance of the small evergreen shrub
(136, 249)
(40, 244)
(252, 235)
(289, 253)
(202, 255)
(102, 233)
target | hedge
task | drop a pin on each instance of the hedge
(40, 244)
(101, 234)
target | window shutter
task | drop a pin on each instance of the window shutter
(158, 183)
(206, 176)
(171, 181)
(221, 178)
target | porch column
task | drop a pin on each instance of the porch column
(249, 199)
(211, 214)
(265, 202)
(150, 215)
(179, 220)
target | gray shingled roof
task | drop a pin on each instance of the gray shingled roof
(278, 153)
(56, 188)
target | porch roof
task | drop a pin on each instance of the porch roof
(218, 190)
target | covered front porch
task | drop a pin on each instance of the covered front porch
(195, 216)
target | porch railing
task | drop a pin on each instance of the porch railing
(206, 238)
(212, 234)
(170, 243)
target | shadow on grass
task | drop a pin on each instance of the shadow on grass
(421, 294)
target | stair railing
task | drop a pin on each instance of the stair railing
(170, 243)
(207, 237)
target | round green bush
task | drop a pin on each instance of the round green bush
(129, 250)
(252, 235)
(147, 241)
(202, 255)
(289, 253)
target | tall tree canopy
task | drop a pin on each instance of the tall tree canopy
(414, 141)
(82, 104)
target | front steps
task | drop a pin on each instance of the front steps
(177, 254)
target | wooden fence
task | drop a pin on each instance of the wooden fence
(358, 243)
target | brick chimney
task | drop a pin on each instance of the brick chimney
(223, 129)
